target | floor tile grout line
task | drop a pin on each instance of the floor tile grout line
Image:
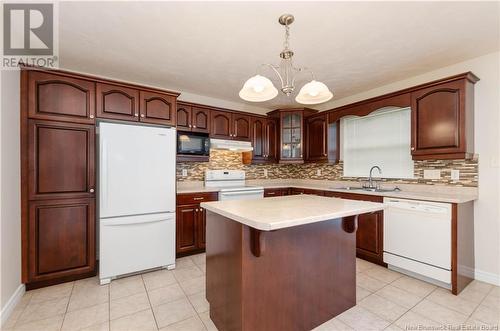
(67, 305)
(149, 300)
(479, 305)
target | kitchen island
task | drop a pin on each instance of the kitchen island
(284, 263)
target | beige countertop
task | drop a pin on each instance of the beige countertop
(438, 193)
(287, 211)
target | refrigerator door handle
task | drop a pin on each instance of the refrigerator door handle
(104, 157)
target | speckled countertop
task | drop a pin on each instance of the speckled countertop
(438, 193)
(293, 210)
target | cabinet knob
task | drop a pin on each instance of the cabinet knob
(91, 116)
(142, 115)
(190, 126)
(413, 148)
(194, 126)
(136, 114)
(91, 190)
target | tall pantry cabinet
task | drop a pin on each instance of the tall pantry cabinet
(58, 166)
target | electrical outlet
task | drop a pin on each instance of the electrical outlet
(184, 172)
(455, 174)
(318, 172)
(265, 173)
(432, 174)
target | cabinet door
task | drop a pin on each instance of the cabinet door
(186, 219)
(61, 238)
(291, 137)
(157, 108)
(273, 192)
(220, 122)
(369, 237)
(241, 127)
(117, 102)
(201, 228)
(60, 98)
(61, 160)
(316, 138)
(183, 117)
(201, 120)
(438, 119)
(259, 142)
(271, 140)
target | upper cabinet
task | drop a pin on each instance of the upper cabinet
(291, 136)
(193, 118)
(443, 119)
(228, 125)
(157, 108)
(322, 139)
(264, 136)
(117, 102)
(60, 98)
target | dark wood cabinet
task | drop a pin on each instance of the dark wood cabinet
(296, 190)
(61, 160)
(193, 118)
(443, 119)
(117, 102)
(221, 125)
(60, 98)
(184, 112)
(275, 192)
(186, 228)
(228, 125)
(190, 222)
(317, 138)
(241, 127)
(370, 232)
(291, 133)
(157, 108)
(264, 136)
(61, 239)
(200, 120)
(271, 140)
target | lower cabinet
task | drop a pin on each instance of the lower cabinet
(275, 192)
(190, 222)
(61, 240)
(370, 232)
(294, 191)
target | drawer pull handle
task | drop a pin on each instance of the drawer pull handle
(200, 198)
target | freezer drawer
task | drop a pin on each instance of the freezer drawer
(136, 243)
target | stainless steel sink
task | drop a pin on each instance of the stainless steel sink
(367, 189)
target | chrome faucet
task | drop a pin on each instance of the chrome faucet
(370, 179)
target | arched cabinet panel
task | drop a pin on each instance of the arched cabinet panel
(117, 102)
(157, 108)
(221, 125)
(183, 117)
(201, 120)
(60, 98)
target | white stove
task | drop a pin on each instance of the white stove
(232, 185)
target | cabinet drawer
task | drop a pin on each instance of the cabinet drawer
(274, 192)
(190, 198)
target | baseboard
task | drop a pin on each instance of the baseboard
(11, 304)
(487, 277)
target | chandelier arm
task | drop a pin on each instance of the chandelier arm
(275, 69)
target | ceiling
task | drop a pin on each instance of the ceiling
(211, 48)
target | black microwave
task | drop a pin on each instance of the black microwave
(192, 143)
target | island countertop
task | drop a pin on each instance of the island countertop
(287, 211)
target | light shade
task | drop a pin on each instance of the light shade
(257, 89)
(313, 92)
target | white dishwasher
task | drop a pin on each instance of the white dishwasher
(417, 237)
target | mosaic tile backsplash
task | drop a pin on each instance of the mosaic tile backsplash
(220, 159)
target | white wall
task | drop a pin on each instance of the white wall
(10, 200)
(487, 146)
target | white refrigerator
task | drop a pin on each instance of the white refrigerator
(136, 199)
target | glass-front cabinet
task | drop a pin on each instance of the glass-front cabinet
(291, 138)
(291, 135)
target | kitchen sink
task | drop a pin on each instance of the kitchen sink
(366, 189)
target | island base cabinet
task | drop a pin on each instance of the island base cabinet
(289, 279)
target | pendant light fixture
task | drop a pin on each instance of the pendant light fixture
(259, 88)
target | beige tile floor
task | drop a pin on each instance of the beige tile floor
(175, 300)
